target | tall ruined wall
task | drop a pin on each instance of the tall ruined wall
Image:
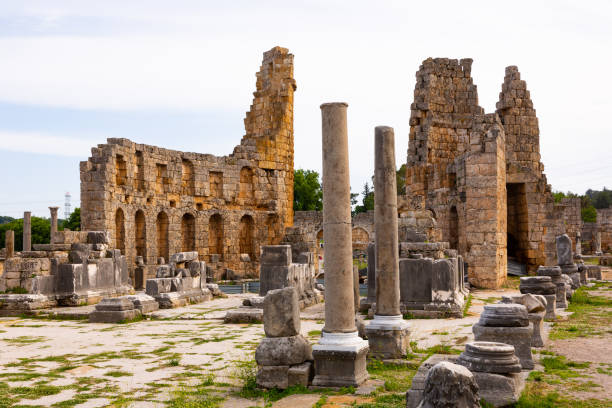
(464, 164)
(570, 217)
(604, 222)
(156, 201)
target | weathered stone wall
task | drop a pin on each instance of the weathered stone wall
(480, 175)
(156, 201)
(604, 221)
(571, 218)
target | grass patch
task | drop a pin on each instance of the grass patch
(314, 333)
(117, 373)
(512, 282)
(25, 340)
(468, 304)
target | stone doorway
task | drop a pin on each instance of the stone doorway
(188, 233)
(517, 222)
(453, 228)
(162, 236)
(140, 233)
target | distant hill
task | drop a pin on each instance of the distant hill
(5, 219)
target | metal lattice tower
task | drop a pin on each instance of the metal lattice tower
(67, 209)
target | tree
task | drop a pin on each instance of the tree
(367, 200)
(401, 180)
(41, 231)
(74, 221)
(589, 214)
(307, 192)
(5, 219)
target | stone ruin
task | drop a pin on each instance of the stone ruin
(181, 282)
(480, 174)
(156, 202)
(76, 268)
(284, 356)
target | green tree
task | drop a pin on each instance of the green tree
(589, 214)
(367, 202)
(74, 221)
(5, 219)
(307, 192)
(41, 231)
(401, 180)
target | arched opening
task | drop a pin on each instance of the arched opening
(162, 236)
(120, 230)
(246, 236)
(215, 236)
(139, 180)
(273, 229)
(517, 223)
(120, 170)
(188, 233)
(187, 178)
(360, 238)
(246, 183)
(453, 228)
(141, 232)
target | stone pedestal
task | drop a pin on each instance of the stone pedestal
(27, 231)
(340, 355)
(519, 337)
(388, 336)
(490, 357)
(536, 324)
(114, 310)
(551, 305)
(555, 275)
(537, 285)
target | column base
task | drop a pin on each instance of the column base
(388, 337)
(340, 360)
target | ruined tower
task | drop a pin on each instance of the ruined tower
(156, 201)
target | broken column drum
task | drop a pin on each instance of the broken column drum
(388, 333)
(53, 211)
(565, 259)
(340, 355)
(554, 272)
(507, 323)
(544, 286)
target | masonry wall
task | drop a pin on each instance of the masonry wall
(156, 201)
(465, 164)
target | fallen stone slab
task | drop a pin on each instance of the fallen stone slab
(144, 303)
(114, 310)
(244, 315)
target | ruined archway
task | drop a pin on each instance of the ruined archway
(246, 183)
(188, 233)
(162, 236)
(215, 236)
(245, 235)
(120, 230)
(140, 234)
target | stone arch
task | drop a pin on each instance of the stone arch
(360, 238)
(162, 236)
(245, 236)
(215, 235)
(246, 183)
(120, 230)
(188, 233)
(453, 228)
(272, 225)
(140, 227)
(187, 178)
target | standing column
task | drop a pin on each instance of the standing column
(388, 334)
(53, 221)
(598, 243)
(340, 355)
(27, 231)
(9, 242)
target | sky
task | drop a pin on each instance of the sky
(180, 74)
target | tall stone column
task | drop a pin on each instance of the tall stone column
(340, 355)
(53, 221)
(578, 243)
(9, 243)
(388, 334)
(27, 231)
(598, 243)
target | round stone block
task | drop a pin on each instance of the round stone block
(490, 357)
(539, 285)
(549, 271)
(504, 315)
(519, 337)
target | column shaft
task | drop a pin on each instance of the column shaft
(27, 231)
(339, 298)
(53, 211)
(385, 223)
(9, 242)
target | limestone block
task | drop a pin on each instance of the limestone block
(564, 250)
(144, 303)
(281, 313)
(158, 286)
(551, 305)
(490, 357)
(340, 367)
(531, 303)
(183, 257)
(273, 376)
(283, 351)
(277, 255)
(98, 237)
(300, 374)
(536, 323)
(197, 268)
(244, 315)
(500, 390)
(164, 271)
(504, 315)
(33, 254)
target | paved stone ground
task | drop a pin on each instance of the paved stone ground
(147, 361)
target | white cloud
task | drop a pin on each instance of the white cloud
(38, 142)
